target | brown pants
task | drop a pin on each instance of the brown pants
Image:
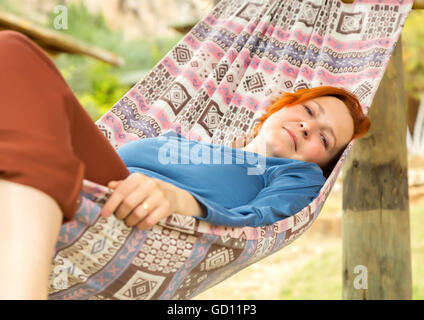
(47, 139)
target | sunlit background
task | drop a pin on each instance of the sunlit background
(134, 35)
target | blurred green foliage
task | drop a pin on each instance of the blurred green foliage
(7, 5)
(96, 84)
(413, 51)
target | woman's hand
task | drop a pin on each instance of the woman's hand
(142, 201)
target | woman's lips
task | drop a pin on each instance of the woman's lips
(293, 138)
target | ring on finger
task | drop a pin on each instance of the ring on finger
(145, 206)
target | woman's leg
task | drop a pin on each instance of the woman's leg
(30, 221)
(48, 145)
(47, 139)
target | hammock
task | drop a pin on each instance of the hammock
(214, 85)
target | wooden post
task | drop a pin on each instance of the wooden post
(375, 224)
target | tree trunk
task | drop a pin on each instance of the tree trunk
(375, 224)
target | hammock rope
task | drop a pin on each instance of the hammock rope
(213, 86)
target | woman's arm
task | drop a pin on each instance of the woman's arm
(288, 192)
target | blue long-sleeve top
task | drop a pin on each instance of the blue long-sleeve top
(236, 187)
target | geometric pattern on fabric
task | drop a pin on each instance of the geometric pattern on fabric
(213, 86)
(141, 286)
(176, 97)
(182, 54)
(154, 84)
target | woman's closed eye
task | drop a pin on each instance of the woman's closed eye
(325, 142)
(308, 110)
(311, 113)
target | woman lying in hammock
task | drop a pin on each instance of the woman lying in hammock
(280, 171)
(49, 144)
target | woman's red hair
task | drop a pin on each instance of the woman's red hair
(361, 122)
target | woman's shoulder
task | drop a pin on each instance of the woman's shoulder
(296, 170)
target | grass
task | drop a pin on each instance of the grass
(321, 278)
(417, 250)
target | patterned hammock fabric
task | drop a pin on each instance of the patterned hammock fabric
(213, 86)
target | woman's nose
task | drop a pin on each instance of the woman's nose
(306, 128)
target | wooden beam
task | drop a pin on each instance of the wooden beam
(375, 223)
(418, 4)
(183, 27)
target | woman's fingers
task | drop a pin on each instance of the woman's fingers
(122, 191)
(135, 198)
(155, 216)
(113, 184)
(129, 196)
(139, 213)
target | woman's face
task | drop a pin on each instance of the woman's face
(320, 127)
